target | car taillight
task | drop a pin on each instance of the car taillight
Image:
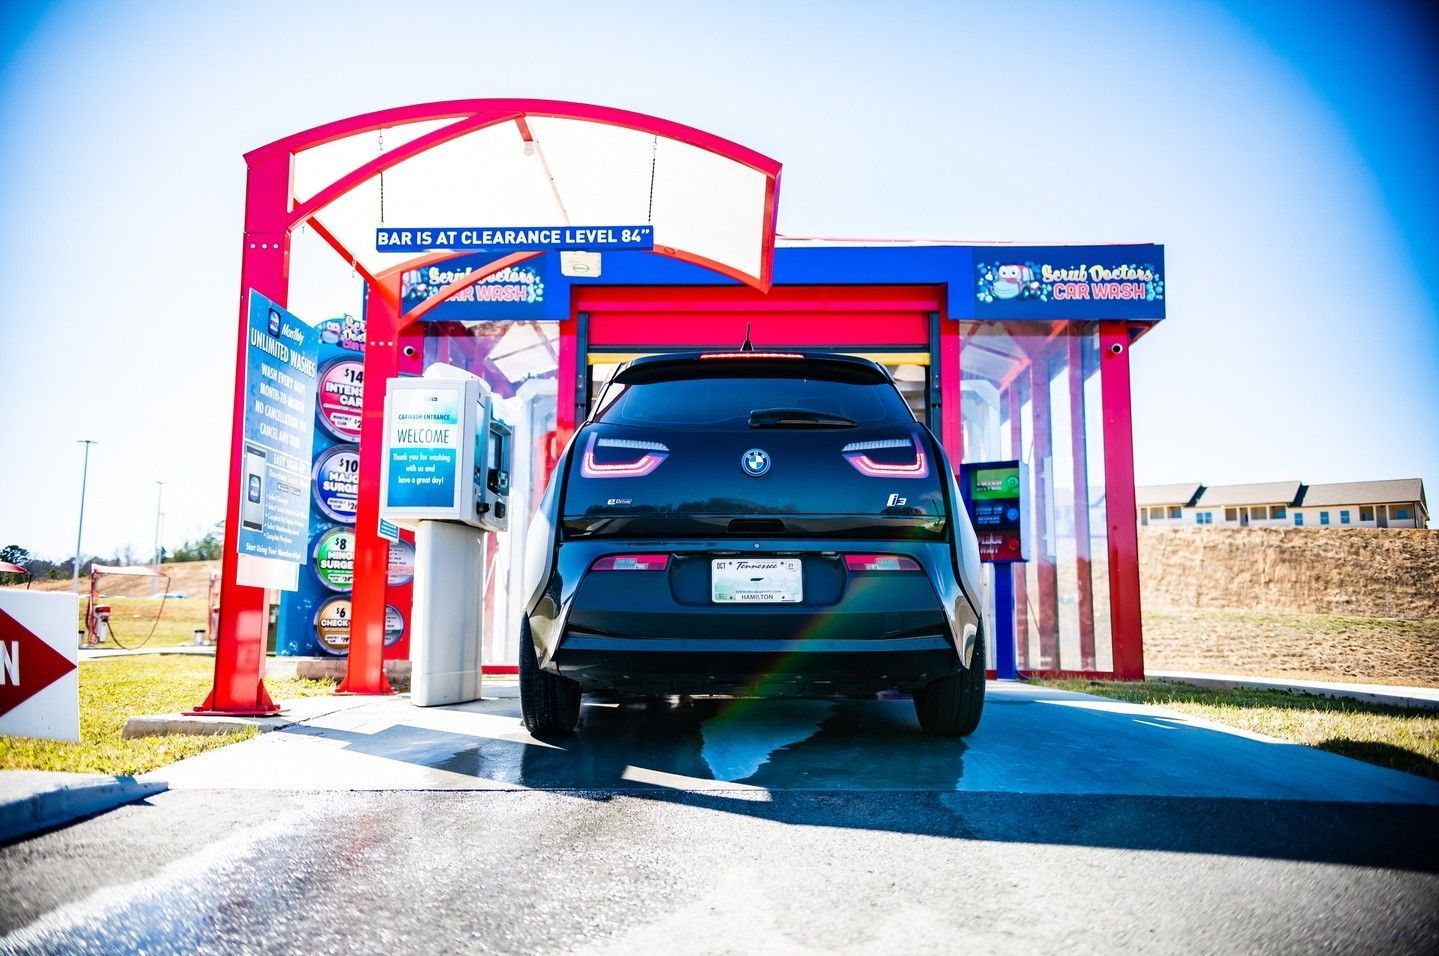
(857, 454)
(880, 562)
(632, 562)
(646, 457)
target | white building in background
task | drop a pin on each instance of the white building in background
(1398, 503)
(1163, 505)
(1364, 504)
(1264, 505)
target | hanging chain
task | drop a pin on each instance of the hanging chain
(654, 156)
(382, 180)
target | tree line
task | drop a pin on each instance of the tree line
(205, 548)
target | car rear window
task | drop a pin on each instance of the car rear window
(722, 402)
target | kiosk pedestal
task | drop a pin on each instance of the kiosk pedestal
(448, 611)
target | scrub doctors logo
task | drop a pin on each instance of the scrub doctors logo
(518, 284)
(999, 281)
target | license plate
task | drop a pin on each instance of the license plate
(756, 581)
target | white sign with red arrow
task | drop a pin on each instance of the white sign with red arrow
(39, 683)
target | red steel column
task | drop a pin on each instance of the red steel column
(1082, 564)
(566, 413)
(402, 596)
(950, 396)
(239, 687)
(365, 672)
(1119, 501)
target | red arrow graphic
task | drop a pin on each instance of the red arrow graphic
(27, 664)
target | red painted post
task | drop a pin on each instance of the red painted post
(365, 670)
(1082, 564)
(1127, 625)
(401, 596)
(239, 687)
(950, 397)
(566, 379)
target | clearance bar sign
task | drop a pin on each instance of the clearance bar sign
(504, 239)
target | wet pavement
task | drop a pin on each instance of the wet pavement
(1066, 823)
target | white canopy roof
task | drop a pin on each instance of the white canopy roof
(501, 163)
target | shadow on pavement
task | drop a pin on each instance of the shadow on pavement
(866, 765)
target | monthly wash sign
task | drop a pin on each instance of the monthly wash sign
(280, 367)
(423, 446)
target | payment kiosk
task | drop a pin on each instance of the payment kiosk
(996, 493)
(445, 475)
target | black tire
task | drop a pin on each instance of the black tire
(950, 707)
(550, 703)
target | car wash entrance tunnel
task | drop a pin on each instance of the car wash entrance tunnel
(1006, 352)
(1030, 390)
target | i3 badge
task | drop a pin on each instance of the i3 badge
(755, 462)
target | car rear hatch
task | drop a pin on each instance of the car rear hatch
(754, 446)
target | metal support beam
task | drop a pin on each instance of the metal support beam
(1128, 628)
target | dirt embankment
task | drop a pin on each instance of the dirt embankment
(190, 577)
(1355, 572)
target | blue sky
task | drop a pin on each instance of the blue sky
(1283, 153)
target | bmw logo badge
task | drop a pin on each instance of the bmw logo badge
(755, 462)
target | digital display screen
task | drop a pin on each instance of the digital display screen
(991, 483)
(995, 495)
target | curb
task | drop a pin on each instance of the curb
(158, 725)
(298, 711)
(1413, 698)
(295, 711)
(112, 653)
(327, 668)
(57, 799)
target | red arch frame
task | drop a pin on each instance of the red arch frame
(271, 213)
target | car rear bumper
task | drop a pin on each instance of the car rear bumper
(659, 632)
(810, 667)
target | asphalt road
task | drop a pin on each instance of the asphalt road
(723, 845)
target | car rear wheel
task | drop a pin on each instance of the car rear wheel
(950, 707)
(550, 703)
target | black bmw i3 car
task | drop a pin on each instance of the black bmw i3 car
(752, 523)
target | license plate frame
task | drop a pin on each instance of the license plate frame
(733, 581)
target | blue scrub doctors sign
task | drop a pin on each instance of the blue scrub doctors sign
(1069, 282)
(280, 366)
(514, 292)
(506, 239)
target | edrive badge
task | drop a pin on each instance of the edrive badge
(755, 462)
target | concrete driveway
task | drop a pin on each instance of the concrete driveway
(1067, 823)
(1032, 740)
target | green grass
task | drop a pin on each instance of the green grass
(113, 689)
(1401, 739)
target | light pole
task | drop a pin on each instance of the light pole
(84, 478)
(159, 516)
